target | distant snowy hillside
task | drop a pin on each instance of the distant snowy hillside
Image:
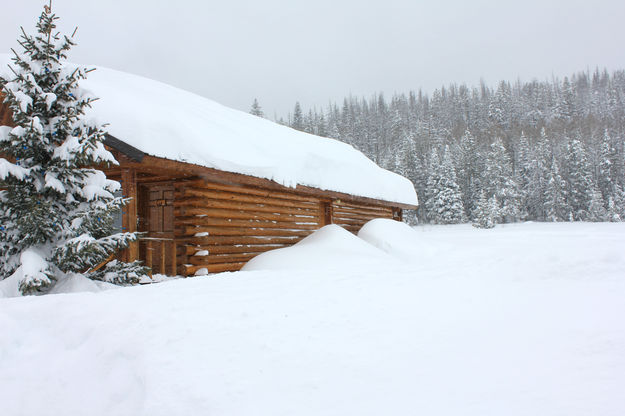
(524, 319)
(167, 122)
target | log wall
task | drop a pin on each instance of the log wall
(220, 227)
(353, 216)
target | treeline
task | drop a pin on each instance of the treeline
(543, 151)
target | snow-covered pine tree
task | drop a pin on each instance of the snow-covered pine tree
(527, 173)
(606, 168)
(322, 128)
(486, 211)
(532, 172)
(498, 180)
(56, 208)
(616, 205)
(256, 109)
(468, 171)
(431, 187)
(554, 196)
(596, 209)
(578, 177)
(297, 121)
(447, 205)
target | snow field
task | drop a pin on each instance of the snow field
(443, 320)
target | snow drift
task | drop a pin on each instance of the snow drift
(330, 248)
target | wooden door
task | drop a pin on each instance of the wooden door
(157, 221)
(160, 215)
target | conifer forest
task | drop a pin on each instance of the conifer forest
(524, 151)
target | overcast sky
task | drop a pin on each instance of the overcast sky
(315, 51)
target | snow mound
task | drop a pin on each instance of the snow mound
(10, 287)
(393, 237)
(72, 283)
(400, 240)
(76, 283)
(329, 248)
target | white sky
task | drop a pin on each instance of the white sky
(313, 51)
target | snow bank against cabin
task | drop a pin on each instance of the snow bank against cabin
(330, 248)
(395, 238)
(380, 243)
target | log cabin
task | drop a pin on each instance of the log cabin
(212, 187)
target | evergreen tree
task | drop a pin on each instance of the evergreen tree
(499, 181)
(612, 211)
(446, 205)
(606, 168)
(596, 210)
(468, 171)
(322, 128)
(554, 196)
(616, 205)
(56, 209)
(578, 178)
(528, 169)
(537, 180)
(298, 118)
(486, 211)
(256, 109)
(432, 189)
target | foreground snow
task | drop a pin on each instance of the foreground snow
(521, 320)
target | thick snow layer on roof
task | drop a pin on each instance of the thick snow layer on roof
(167, 122)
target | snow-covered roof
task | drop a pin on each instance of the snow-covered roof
(164, 121)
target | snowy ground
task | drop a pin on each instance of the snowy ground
(524, 319)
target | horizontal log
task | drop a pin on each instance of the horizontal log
(221, 222)
(349, 221)
(363, 207)
(356, 215)
(190, 270)
(365, 217)
(221, 258)
(352, 228)
(247, 215)
(232, 249)
(232, 196)
(376, 214)
(232, 231)
(347, 204)
(248, 190)
(201, 202)
(241, 240)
